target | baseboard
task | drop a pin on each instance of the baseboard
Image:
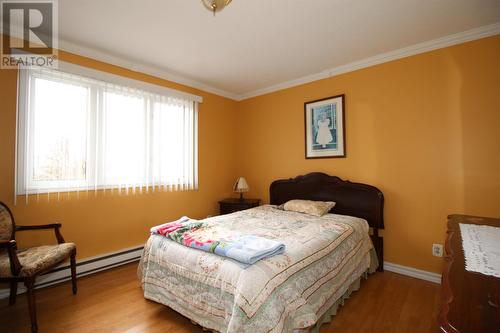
(413, 272)
(110, 260)
(83, 267)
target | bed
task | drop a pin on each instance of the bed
(296, 291)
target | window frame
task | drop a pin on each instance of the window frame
(94, 180)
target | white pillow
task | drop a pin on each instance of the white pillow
(316, 208)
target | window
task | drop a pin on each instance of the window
(76, 132)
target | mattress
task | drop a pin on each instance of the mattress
(324, 256)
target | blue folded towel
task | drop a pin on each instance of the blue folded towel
(249, 249)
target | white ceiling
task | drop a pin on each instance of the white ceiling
(255, 44)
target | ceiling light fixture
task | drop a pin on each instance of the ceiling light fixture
(216, 5)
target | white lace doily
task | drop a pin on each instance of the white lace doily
(481, 245)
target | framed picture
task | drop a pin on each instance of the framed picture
(325, 127)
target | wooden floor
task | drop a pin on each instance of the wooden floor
(112, 301)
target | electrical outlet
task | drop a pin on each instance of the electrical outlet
(437, 250)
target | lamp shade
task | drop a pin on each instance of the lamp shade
(241, 185)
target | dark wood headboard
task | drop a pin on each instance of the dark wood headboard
(353, 199)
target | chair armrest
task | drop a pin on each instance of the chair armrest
(15, 265)
(37, 227)
(8, 244)
(55, 226)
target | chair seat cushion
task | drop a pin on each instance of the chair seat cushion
(36, 259)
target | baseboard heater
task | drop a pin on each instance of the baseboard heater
(84, 267)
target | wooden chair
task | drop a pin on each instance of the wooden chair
(25, 265)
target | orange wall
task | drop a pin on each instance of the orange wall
(424, 129)
(110, 222)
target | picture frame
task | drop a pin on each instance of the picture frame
(324, 122)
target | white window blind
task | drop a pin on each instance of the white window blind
(77, 132)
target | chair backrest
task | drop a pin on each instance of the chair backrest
(7, 224)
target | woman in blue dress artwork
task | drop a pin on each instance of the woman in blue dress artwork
(324, 135)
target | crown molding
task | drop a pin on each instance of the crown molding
(135, 66)
(442, 42)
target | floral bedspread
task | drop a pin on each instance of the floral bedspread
(283, 293)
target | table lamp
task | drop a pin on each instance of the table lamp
(241, 186)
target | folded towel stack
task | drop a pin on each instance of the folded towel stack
(247, 249)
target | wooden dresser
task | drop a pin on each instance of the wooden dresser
(470, 302)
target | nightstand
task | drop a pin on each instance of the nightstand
(231, 205)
